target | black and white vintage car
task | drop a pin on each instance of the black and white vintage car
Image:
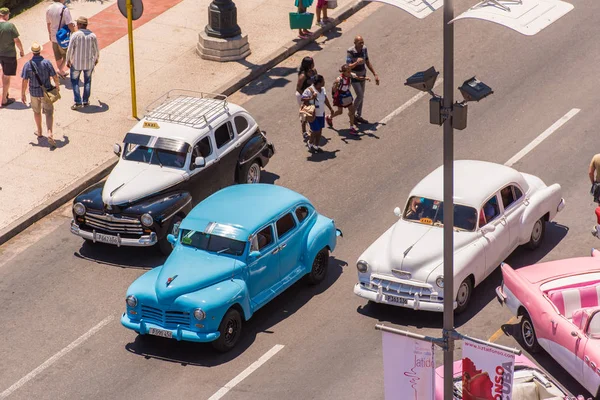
(187, 146)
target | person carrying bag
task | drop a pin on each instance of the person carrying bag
(342, 97)
(51, 93)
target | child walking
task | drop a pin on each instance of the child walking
(316, 94)
(342, 96)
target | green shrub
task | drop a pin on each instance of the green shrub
(18, 6)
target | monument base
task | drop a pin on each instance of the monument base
(216, 49)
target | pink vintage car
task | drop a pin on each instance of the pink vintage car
(529, 383)
(559, 302)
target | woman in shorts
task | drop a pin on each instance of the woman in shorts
(316, 94)
(306, 74)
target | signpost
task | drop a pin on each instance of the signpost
(132, 10)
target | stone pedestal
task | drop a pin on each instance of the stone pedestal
(217, 49)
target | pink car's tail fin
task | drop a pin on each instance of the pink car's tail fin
(595, 253)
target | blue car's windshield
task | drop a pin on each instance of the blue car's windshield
(149, 155)
(212, 243)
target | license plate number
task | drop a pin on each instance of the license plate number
(393, 299)
(100, 237)
(161, 333)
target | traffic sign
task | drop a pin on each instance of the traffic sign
(137, 10)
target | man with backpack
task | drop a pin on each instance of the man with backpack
(57, 17)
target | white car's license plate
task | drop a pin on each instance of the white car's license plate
(161, 333)
(101, 237)
(394, 299)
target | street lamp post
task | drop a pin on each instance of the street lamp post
(448, 323)
(222, 20)
(222, 39)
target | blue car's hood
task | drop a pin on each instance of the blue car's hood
(189, 270)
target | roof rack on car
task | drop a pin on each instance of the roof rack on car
(187, 107)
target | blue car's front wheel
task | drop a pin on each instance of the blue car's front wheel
(230, 331)
(319, 267)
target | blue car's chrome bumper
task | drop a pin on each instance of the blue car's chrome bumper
(143, 328)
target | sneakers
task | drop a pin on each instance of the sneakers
(305, 136)
(353, 131)
(595, 231)
(76, 106)
(329, 121)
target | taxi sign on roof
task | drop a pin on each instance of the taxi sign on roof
(417, 8)
(524, 16)
(153, 125)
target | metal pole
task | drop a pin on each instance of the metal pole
(131, 61)
(439, 342)
(448, 200)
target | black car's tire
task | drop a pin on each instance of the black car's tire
(230, 330)
(463, 296)
(250, 173)
(537, 233)
(319, 268)
(528, 337)
(163, 244)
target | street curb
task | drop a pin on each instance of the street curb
(229, 88)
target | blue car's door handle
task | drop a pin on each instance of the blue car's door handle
(282, 246)
(275, 251)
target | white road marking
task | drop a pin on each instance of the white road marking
(543, 136)
(409, 103)
(244, 374)
(55, 358)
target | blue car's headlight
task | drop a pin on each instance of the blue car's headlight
(199, 314)
(131, 301)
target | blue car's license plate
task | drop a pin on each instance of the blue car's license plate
(161, 333)
(394, 299)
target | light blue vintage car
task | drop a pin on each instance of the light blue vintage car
(235, 251)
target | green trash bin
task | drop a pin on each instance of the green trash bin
(301, 21)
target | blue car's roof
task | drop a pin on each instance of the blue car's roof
(239, 210)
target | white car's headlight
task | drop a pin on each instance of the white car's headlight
(131, 301)
(199, 314)
(79, 209)
(439, 281)
(147, 220)
(362, 266)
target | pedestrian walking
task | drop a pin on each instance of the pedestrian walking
(342, 96)
(37, 73)
(57, 16)
(594, 169)
(358, 59)
(322, 9)
(306, 74)
(9, 38)
(317, 96)
(82, 57)
(302, 7)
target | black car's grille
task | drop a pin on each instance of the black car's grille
(164, 318)
(113, 224)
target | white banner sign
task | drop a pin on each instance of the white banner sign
(487, 372)
(408, 368)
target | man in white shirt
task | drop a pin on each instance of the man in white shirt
(57, 16)
(82, 56)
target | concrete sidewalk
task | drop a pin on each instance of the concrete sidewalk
(35, 180)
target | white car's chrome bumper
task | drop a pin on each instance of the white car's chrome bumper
(142, 241)
(416, 302)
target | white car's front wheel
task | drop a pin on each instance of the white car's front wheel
(537, 233)
(463, 296)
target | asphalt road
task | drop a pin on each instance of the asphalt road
(60, 300)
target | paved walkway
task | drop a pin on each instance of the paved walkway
(165, 42)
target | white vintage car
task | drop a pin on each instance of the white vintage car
(496, 209)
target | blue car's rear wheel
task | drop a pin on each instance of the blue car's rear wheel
(230, 331)
(319, 267)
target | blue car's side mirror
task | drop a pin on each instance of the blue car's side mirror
(171, 239)
(254, 254)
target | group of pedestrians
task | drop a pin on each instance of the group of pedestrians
(76, 53)
(312, 96)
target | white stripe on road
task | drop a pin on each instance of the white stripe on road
(543, 136)
(244, 374)
(409, 103)
(55, 358)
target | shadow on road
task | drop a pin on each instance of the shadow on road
(276, 77)
(268, 177)
(122, 257)
(202, 354)
(523, 256)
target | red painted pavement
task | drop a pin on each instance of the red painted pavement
(109, 25)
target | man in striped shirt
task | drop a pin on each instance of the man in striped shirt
(82, 56)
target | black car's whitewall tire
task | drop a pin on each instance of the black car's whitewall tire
(250, 173)
(163, 244)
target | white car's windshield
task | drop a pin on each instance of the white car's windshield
(149, 155)
(212, 243)
(430, 212)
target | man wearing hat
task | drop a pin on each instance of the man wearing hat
(82, 56)
(35, 71)
(9, 37)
